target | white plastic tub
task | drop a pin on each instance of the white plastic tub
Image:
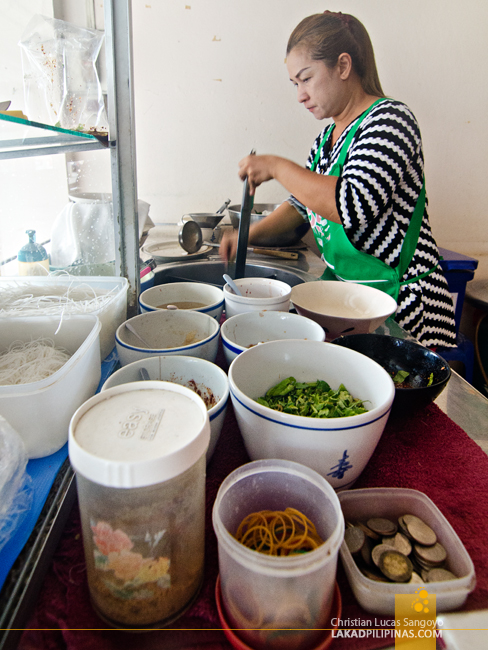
(40, 411)
(111, 311)
(379, 597)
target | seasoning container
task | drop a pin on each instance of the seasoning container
(138, 451)
(32, 258)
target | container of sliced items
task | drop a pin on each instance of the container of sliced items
(396, 540)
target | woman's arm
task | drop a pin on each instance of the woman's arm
(316, 191)
(284, 219)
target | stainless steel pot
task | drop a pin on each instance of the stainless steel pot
(285, 239)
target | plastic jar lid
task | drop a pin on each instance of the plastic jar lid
(138, 434)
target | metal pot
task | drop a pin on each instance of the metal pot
(285, 239)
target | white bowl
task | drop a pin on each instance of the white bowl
(258, 294)
(246, 330)
(202, 376)
(168, 332)
(343, 307)
(210, 298)
(336, 448)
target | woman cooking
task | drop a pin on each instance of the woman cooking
(363, 189)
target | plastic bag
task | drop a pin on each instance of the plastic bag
(61, 84)
(15, 484)
(83, 232)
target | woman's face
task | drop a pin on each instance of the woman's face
(319, 88)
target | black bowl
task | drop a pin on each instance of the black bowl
(428, 371)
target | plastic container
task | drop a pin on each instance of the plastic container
(204, 377)
(379, 597)
(138, 451)
(112, 310)
(258, 294)
(274, 602)
(459, 270)
(40, 411)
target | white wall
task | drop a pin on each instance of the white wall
(211, 84)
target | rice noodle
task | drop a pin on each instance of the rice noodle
(28, 362)
(30, 299)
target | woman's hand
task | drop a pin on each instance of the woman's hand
(228, 245)
(257, 169)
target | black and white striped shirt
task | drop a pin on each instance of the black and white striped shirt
(376, 194)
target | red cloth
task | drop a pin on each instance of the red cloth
(427, 452)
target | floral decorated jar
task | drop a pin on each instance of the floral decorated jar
(138, 451)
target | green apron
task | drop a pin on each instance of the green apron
(344, 262)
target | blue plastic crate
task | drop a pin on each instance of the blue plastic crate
(459, 270)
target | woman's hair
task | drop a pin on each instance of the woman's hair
(326, 36)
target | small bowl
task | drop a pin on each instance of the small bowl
(246, 330)
(336, 448)
(343, 307)
(168, 332)
(202, 376)
(258, 294)
(391, 503)
(395, 354)
(194, 296)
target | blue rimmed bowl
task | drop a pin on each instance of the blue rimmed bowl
(244, 331)
(203, 377)
(336, 448)
(193, 296)
(168, 332)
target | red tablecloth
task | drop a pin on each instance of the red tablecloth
(427, 452)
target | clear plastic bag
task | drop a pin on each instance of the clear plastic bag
(83, 232)
(15, 484)
(61, 84)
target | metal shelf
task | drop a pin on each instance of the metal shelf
(25, 138)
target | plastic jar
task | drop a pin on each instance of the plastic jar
(138, 451)
(277, 602)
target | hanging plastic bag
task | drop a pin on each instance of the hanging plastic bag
(15, 484)
(61, 84)
(83, 233)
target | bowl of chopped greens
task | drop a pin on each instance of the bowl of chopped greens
(315, 403)
(419, 374)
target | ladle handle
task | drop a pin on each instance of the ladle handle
(243, 236)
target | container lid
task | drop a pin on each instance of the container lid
(138, 434)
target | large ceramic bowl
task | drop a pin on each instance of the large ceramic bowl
(428, 372)
(202, 376)
(243, 331)
(337, 448)
(343, 307)
(167, 332)
(195, 296)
